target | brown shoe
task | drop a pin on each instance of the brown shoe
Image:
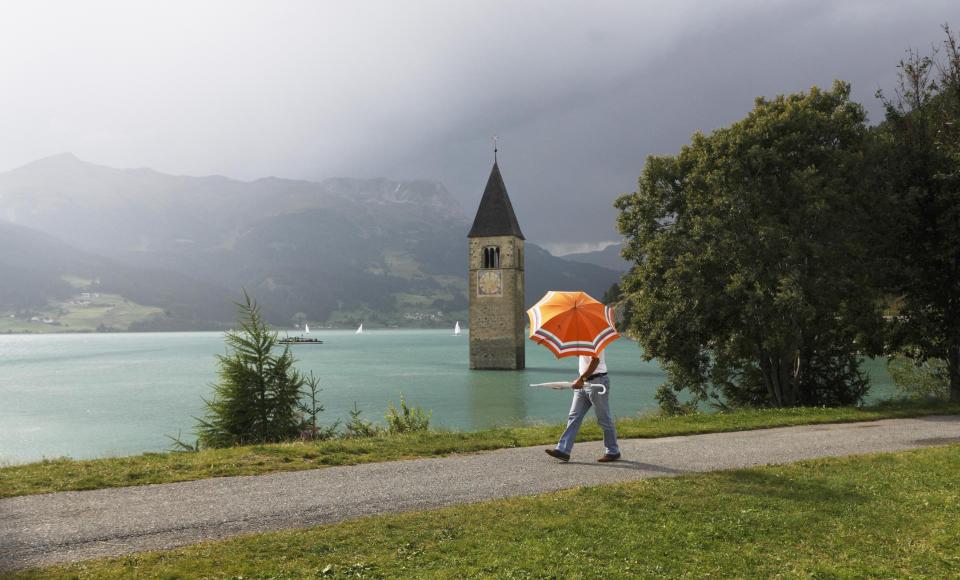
(558, 454)
(608, 458)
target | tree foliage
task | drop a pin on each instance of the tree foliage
(624, 309)
(753, 279)
(922, 161)
(920, 379)
(256, 399)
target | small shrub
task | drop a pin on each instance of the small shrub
(407, 419)
(920, 379)
(178, 445)
(357, 427)
(670, 404)
(311, 408)
(312, 433)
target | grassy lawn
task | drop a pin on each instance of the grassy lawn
(67, 474)
(887, 515)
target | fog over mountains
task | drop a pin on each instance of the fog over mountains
(337, 251)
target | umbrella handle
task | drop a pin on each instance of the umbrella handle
(593, 386)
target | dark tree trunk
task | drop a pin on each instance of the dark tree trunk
(768, 368)
(788, 387)
(953, 369)
(952, 316)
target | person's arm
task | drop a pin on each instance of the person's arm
(594, 363)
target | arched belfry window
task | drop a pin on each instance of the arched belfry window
(491, 257)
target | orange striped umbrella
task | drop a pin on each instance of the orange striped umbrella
(571, 324)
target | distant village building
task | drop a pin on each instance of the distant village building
(496, 281)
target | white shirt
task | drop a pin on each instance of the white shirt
(585, 364)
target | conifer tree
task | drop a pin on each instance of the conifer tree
(256, 398)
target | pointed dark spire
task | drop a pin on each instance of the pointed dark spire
(495, 216)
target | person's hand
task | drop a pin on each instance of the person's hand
(578, 384)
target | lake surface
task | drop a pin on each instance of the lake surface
(94, 395)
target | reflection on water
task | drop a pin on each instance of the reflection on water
(111, 394)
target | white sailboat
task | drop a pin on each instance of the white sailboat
(306, 328)
(456, 329)
(360, 329)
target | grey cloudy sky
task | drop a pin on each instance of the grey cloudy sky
(579, 92)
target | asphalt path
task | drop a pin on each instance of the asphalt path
(46, 529)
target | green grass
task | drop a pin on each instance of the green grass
(67, 474)
(887, 515)
(111, 310)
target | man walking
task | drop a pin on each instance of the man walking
(593, 369)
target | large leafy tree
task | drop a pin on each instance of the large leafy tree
(922, 131)
(256, 399)
(753, 277)
(614, 297)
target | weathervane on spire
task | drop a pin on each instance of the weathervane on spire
(494, 148)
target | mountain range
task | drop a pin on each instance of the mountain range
(608, 257)
(333, 252)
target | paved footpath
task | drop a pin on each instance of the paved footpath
(63, 527)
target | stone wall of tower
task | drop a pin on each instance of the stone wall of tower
(497, 319)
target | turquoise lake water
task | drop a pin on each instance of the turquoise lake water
(94, 395)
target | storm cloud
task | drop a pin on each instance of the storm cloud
(579, 93)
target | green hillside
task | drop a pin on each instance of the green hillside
(388, 253)
(84, 312)
(49, 286)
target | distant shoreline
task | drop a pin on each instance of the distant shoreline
(314, 330)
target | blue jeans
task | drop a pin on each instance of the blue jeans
(583, 399)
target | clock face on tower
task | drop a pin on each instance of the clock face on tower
(489, 283)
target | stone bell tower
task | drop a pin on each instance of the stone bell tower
(496, 281)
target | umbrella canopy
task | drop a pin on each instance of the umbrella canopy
(572, 324)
